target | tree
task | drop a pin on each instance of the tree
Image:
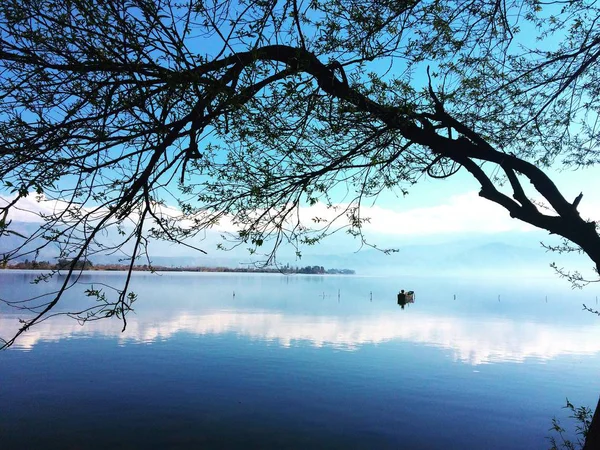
(159, 119)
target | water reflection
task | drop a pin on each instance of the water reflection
(341, 312)
(469, 341)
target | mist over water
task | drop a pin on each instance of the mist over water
(255, 361)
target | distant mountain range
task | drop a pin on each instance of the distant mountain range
(506, 254)
(457, 258)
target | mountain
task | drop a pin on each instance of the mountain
(455, 258)
(9, 242)
(513, 254)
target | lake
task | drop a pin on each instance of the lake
(214, 360)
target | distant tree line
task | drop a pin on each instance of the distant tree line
(33, 265)
(318, 270)
(64, 264)
(61, 264)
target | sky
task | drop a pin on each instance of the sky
(432, 207)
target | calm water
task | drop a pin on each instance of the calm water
(301, 362)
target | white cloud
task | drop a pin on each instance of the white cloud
(461, 213)
(466, 212)
(29, 209)
(458, 214)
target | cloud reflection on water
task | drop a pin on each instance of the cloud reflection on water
(470, 340)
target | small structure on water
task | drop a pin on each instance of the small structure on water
(405, 297)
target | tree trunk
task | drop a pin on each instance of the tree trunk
(592, 440)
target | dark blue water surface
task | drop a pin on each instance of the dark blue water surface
(300, 362)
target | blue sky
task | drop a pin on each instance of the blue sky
(438, 207)
(445, 209)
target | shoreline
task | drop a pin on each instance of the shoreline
(314, 270)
